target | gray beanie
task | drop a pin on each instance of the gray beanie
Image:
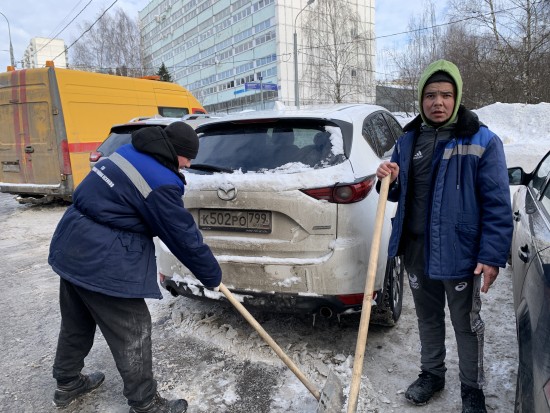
(184, 139)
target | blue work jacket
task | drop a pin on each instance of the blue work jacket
(469, 216)
(104, 241)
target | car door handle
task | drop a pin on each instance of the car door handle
(516, 216)
(523, 253)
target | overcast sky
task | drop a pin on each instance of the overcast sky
(46, 18)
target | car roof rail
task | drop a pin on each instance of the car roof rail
(140, 118)
(192, 116)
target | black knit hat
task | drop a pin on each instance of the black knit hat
(183, 138)
(440, 76)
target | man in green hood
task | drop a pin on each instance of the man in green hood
(453, 224)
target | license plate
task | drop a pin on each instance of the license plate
(235, 220)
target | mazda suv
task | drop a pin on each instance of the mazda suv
(286, 200)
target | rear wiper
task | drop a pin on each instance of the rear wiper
(209, 168)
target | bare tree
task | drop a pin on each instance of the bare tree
(518, 58)
(502, 49)
(110, 44)
(339, 54)
(424, 46)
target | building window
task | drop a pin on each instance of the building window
(261, 4)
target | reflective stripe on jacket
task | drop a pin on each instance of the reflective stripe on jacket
(104, 242)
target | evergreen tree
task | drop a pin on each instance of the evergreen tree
(164, 74)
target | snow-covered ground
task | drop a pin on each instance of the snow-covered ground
(204, 351)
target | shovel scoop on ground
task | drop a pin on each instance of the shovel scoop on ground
(330, 398)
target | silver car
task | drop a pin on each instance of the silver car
(121, 134)
(530, 259)
(286, 200)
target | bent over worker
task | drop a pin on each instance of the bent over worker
(104, 254)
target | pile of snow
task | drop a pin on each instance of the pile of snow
(514, 123)
(523, 129)
(518, 124)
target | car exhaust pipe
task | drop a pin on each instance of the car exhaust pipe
(325, 312)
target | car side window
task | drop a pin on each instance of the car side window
(394, 126)
(379, 135)
(168, 112)
(539, 176)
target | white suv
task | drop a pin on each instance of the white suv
(286, 200)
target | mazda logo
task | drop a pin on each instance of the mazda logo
(227, 192)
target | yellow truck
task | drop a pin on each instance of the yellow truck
(52, 118)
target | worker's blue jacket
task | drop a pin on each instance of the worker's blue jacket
(469, 217)
(104, 242)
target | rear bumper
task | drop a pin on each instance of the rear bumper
(324, 305)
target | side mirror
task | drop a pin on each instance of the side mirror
(516, 175)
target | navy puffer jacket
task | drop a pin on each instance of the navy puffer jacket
(104, 241)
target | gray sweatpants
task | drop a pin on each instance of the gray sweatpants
(463, 297)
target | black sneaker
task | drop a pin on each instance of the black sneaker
(473, 400)
(67, 393)
(424, 387)
(161, 405)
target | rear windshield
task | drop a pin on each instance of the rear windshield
(256, 147)
(114, 141)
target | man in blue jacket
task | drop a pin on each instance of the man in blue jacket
(103, 251)
(453, 223)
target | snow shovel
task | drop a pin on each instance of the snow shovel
(367, 298)
(331, 398)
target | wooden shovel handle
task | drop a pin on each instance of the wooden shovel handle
(367, 304)
(267, 338)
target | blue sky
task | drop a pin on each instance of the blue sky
(31, 18)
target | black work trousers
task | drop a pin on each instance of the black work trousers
(126, 326)
(464, 301)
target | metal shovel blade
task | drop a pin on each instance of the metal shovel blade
(332, 395)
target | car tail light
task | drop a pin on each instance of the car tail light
(162, 277)
(95, 156)
(343, 193)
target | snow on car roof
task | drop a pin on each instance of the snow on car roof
(343, 111)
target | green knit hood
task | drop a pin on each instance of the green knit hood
(451, 70)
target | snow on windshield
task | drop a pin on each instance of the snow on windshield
(292, 175)
(296, 176)
(336, 140)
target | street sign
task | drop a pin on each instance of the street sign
(258, 86)
(251, 86)
(269, 86)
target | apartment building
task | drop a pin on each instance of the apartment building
(239, 54)
(41, 49)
